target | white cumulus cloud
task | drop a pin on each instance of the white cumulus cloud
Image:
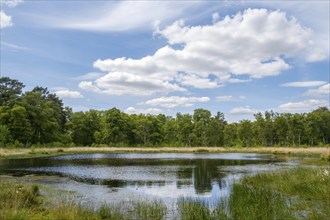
(5, 20)
(243, 110)
(66, 93)
(11, 3)
(175, 101)
(303, 105)
(152, 111)
(316, 54)
(123, 83)
(89, 76)
(228, 98)
(322, 90)
(304, 84)
(253, 43)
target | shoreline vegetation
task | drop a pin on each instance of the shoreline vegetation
(321, 152)
(298, 193)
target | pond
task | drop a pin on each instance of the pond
(111, 178)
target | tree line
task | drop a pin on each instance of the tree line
(39, 118)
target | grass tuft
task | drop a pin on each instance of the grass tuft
(190, 209)
(149, 209)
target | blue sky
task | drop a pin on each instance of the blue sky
(238, 57)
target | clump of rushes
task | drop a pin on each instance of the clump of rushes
(67, 210)
(18, 201)
(23, 201)
(250, 202)
(149, 210)
(190, 209)
(110, 212)
(301, 193)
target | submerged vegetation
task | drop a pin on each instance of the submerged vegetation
(300, 193)
(38, 118)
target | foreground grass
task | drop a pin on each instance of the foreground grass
(323, 152)
(23, 201)
(301, 193)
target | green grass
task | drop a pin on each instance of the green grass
(300, 193)
(190, 209)
(24, 201)
(149, 210)
(251, 203)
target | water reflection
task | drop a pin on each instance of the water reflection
(206, 176)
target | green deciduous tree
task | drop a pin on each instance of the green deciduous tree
(19, 125)
(83, 127)
(10, 89)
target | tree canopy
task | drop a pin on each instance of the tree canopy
(39, 117)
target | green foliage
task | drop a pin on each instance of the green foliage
(4, 135)
(10, 89)
(38, 117)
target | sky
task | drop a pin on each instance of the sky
(237, 57)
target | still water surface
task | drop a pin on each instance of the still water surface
(111, 178)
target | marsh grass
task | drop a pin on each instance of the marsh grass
(301, 193)
(110, 212)
(193, 209)
(257, 203)
(24, 201)
(18, 200)
(149, 210)
(190, 209)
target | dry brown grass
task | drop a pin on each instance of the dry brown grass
(21, 152)
(4, 152)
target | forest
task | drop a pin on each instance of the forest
(39, 118)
